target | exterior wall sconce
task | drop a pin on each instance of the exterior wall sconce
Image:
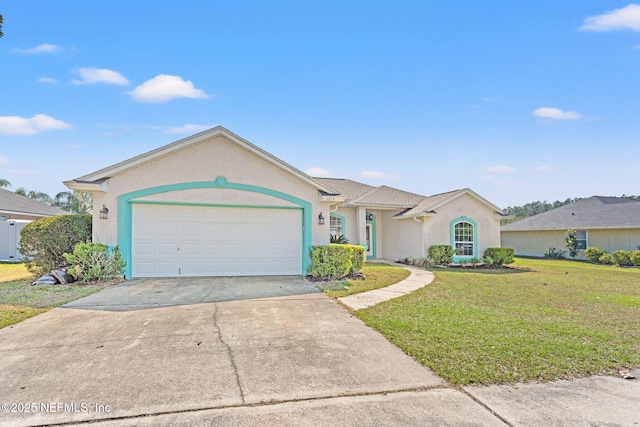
(104, 212)
(320, 219)
(369, 217)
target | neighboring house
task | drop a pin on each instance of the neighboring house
(610, 223)
(213, 204)
(393, 223)
(15, 206)
(15, 212)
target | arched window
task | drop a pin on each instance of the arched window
(463, 239)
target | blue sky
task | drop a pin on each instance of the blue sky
(519, 101)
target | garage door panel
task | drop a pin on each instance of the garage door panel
(215, 241)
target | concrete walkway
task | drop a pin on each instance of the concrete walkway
(417, 279)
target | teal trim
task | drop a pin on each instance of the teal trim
(452, 236)
(126, 201)
(343, 221)
(374, 239)
(213, 205)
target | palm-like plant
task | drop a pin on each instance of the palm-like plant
(339, 239)
(4, 183)
(75, 202)
(35, 195)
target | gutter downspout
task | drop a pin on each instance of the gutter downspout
(421, 235)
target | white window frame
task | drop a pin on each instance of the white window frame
(457, 242)
(333, 226)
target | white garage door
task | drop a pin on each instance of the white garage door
(173, 241)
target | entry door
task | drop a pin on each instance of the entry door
(370, 240)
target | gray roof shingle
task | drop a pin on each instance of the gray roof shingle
(12, 202)
(590, 213)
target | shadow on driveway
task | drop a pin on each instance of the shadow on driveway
(142, 294)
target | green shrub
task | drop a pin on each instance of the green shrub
(357, 258)
(417, 262)
(43, 241)
(605, 259)
(330, 262)
(571, 242)
(553, 253)
(441, 254)
(621, 257)
(635, 258)
(593, 254)
(340, 240)
(499, 256)
(93, 262)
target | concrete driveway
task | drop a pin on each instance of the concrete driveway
(242, 351)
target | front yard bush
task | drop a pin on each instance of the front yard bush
(621, 257)
(593, 254)
(330, 262)
(441, 254)
(44, 241)
(606, 259)
(499, 256)
(635, 258)
(92, 262)
(335, 261)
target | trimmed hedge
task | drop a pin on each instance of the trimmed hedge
(441, 254)
(335, 261)
(621, 257)
(635, 258)
(43, 241)
(594, 254)
(500, 256)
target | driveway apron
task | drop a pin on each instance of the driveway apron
(167, 346)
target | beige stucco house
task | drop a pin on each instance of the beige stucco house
(213, 204)
(609, 223)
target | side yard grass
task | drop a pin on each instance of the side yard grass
(19, 300)
(542, 321)
(377, 275)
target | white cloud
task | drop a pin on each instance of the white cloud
(163, 88)
(4, 161)
(543, 169)
(92, 75)
(556, 113)
(47, 80)
(319, 172)
(188, 128)
(41, 48)
(627, 17)
(16, 125)
(501, 169)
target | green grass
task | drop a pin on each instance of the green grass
(544, 321)
(378, 275)
(19, 300)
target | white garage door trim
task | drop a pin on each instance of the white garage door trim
(171, 240)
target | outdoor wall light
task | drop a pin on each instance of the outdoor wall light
(369, 217)
(320, 219)
(104, 212)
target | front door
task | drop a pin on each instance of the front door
(370, 240)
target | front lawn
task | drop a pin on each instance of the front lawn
(19, 300)
(377, 275)
(543, 321)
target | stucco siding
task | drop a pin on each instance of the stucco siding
(401, 236)
(349, 227)
(204, 162)
(438, 226)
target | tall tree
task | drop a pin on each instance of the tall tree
(75, 202)
(35, 195)
(4, 183)
(1, 19)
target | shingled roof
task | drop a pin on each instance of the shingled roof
(593, 212)
(14, 203)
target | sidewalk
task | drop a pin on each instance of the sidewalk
(417, 279)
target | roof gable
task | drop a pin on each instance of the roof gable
(593, 212)
(15, 203)
(95, 181)
(432, 203)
